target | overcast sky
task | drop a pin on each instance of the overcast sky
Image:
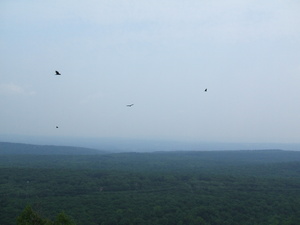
(159, 55)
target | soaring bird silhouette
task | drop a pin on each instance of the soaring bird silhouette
(56, 126)
(57, 73)
(129, 105)
(205, 90)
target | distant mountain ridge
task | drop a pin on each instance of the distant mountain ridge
(143, 145)
(8, 148)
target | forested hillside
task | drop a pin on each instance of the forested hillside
(212, 188)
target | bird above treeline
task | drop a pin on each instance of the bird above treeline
(57, 73)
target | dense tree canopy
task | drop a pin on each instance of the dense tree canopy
(216, 188)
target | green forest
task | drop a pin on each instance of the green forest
(163, 188)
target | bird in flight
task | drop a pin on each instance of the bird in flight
(129, 105)
(56, 126)
(205, 90)
(57, 73)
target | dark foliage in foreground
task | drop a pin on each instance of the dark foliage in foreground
(240, 187)
(30, 217)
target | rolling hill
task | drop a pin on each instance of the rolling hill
(7, 148)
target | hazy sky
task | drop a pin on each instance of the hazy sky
(159, 55)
